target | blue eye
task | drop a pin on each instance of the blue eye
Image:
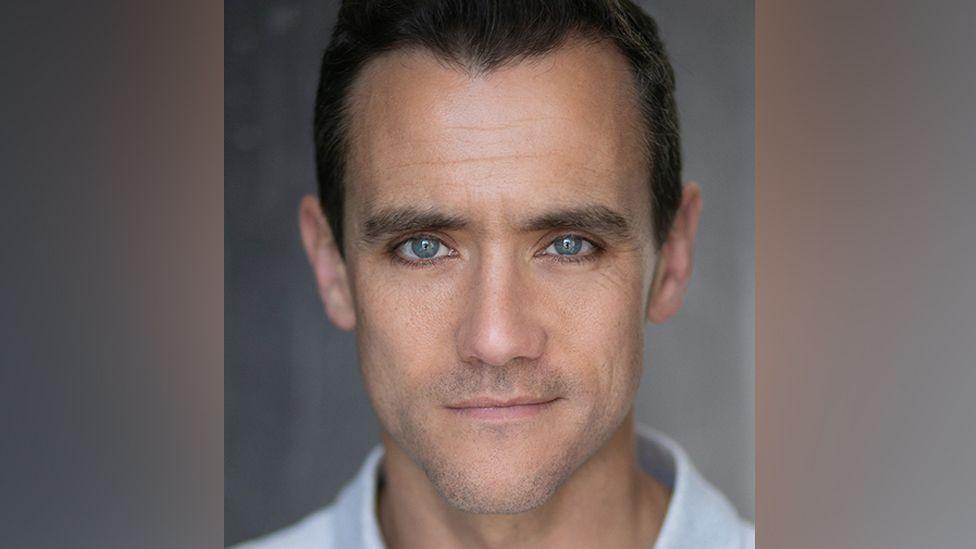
(422, 248)
(425, 248)
(570, 245)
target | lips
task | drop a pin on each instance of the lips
(490, 402)
(491, 408)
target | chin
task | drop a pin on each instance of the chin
(493, 491)
(501, 479)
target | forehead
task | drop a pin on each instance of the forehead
(562, 127)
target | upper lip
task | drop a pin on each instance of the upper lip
(494, 402)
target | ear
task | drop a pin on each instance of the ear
(672, 271)
(327, 264)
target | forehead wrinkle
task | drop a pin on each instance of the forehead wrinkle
(463, 161)
(494, 128)
(460, 145)
(386, 100)
(518, 122)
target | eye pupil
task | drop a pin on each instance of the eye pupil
(425, 248)
(569, 245)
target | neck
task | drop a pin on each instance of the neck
(608, 502)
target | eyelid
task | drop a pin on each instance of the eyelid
(394, 249)
(400, 241)
(596, 246)
(553, 238)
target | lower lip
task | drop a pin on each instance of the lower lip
(497, 413)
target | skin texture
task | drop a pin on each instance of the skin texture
(495, 168)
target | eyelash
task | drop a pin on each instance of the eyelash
(592, 256)
(564, 259)
(419, 263)
(573, 259)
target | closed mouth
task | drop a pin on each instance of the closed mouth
(490, 402)
(502, 410)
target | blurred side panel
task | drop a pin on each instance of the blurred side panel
(111, 279)
(866, 312)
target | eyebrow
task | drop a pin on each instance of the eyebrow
(395, 221)
(597, 219)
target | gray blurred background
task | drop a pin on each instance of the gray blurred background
(297, 420)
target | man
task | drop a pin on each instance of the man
(500, 211)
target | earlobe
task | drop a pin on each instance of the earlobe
(327, 264)
(672, 272)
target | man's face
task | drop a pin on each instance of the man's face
(498, 247)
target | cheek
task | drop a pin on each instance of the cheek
(597, 329)
(412, 312)
(404, 333)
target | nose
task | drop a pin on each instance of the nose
(499, 323)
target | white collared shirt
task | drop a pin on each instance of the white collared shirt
(698, 515)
